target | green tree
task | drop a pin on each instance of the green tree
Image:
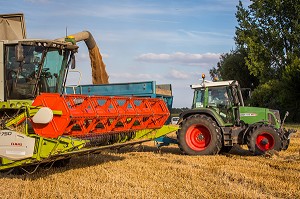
(232, 66)
(269, 33)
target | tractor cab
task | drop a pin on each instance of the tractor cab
(224, 97)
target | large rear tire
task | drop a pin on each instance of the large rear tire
(263, 138)
(199, 135)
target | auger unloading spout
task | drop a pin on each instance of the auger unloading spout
(99, 74)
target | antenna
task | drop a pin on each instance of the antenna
(66, 31)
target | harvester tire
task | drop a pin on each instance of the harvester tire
(199, 135)
(263, 138)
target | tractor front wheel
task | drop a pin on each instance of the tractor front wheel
(199, 135)
(263, 138)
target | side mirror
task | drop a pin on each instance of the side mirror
(73, 64)
(19, 53)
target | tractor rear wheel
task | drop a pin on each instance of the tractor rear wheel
(263, 138)
(199, 135)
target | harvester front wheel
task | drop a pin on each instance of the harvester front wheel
(263, 138)
(199, 135)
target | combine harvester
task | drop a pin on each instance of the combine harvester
(43, 121)
(40, 123)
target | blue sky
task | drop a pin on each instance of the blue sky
(167, 41)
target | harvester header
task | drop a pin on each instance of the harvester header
(86, 116)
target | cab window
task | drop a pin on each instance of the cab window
(198, 98)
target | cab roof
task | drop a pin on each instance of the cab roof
(206, 83)
(43, 42)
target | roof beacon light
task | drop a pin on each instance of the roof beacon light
(203, 76)
(71, 39)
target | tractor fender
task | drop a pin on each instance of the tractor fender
(209, 112)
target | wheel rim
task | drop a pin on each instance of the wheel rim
(198, 137)
(265, 141)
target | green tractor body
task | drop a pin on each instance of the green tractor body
(219, 119)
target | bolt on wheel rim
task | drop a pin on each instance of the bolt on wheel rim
(198, 137)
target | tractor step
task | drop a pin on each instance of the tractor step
(230, 135)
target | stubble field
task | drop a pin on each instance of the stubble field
(143, 172)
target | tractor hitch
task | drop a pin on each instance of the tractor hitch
(285, 137)
(285, 134)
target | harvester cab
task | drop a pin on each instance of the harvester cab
(32, 67)
(219, 120)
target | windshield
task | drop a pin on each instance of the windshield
(217, 96)
(198, 98)
(42, 70)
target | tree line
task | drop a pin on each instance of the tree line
(266, 58)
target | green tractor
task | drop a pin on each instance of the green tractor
(219, 120)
